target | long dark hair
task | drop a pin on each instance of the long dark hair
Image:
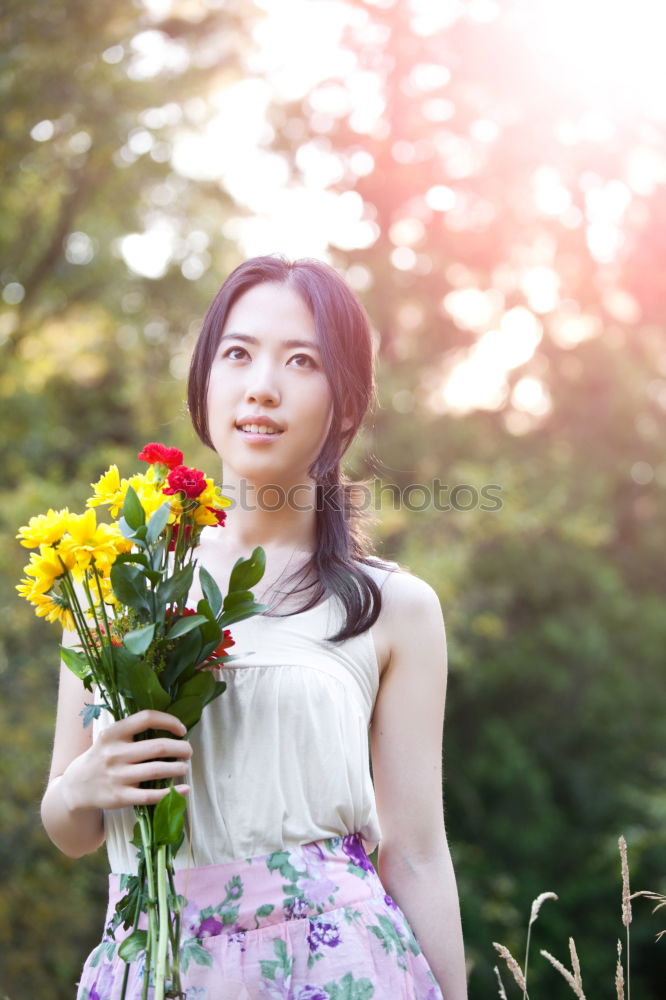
(346, 345)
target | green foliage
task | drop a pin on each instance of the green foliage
(553, 603)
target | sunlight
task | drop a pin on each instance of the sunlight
(477, 378)
(608, 53)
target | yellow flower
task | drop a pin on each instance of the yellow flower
(211, 497)
(87, 542)
(48, 566)
(202, 515)
(44, 529)
(148, 491)
(109, 489)
(53, 607)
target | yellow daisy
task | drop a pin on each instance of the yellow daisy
(48, 566)
(44, 529)
(109, 489)
(88, 541)
(53, 607)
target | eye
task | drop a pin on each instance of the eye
(230, 349)
(307, 357)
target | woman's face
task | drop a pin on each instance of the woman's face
(255, 373)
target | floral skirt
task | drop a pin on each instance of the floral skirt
(310, 923)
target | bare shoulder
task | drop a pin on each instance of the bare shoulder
(410, 607)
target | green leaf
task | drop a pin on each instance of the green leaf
(176, 587)
(76, 662)
(129, 586)
(211, 631)
(133, 512)
(132, 557)
(188, 710)
(247, 572)
(184, 625)
(236, 611)
(139, 639)
(133, 945)
(169, 818)
(89, 713)
(201, 686)
(158, 523)
(139, 681)
(210, 590)
(186, 655)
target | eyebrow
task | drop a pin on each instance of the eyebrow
(285, 343)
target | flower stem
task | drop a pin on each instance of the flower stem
(147, 842)
(163, 923)
(174, 930)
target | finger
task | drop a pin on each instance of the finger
(150, 796)
(149, 718)
(154, 771)
(156, 748)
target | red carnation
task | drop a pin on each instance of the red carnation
(155, 453)
(220, 515)
(191, 482)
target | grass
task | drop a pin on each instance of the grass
(573, 976)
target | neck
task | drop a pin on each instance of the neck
(275, 517)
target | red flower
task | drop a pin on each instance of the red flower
(225, 644)
(191, 482)
(175, 534)
(220, 515)
(159, 453)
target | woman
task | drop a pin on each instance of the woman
(282, 900)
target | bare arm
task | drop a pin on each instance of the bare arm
(414, 859)
(88, 777)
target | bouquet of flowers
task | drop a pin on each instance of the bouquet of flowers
(123, 588)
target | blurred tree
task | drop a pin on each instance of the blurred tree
(90, 97)
(479, 182)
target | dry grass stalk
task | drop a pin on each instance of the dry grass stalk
(661, 901)
(649, 894)
(626, 905)
(502, 991)
(626, 894)
(619, 973)
(536, 905)
(514, 968)
(575, 964)
(578, 990)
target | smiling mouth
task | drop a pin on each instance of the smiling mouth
(262, 433)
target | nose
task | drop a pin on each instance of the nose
(262, 386)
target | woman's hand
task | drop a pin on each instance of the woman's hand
(110, 773)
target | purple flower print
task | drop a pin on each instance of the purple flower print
(191, 920)
(295, 908)
(238, 938)
(390, 901)
(316, 890)
(103, 985)
(353, 848)
(315, 855)
(210, 927)
(323, 932)
(311, 993)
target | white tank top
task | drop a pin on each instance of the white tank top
(282, 756)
